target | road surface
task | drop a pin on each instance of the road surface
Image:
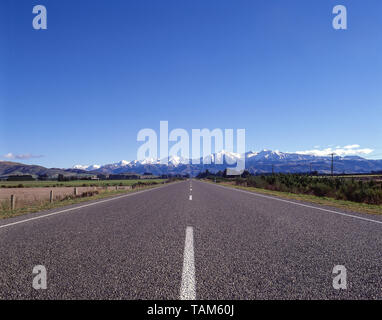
(191, 240)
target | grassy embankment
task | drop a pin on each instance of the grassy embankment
(320, 194)
(6, 212)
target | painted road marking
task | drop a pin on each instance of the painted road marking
(80, 207)
(301, 204)
(190, 196)
(188, 286)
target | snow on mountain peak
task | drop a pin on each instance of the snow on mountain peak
(80, 167)
(177, 160)
(176, 163)
(94, 167)
(149, 161)
(251, 154)
(87, 168)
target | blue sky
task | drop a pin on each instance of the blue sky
(79, 92)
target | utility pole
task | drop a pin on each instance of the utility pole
(332, 167)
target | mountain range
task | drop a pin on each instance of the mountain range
(256, 162)
(264, 161)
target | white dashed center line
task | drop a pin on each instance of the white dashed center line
(188, 286)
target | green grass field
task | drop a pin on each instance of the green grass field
(74, 183)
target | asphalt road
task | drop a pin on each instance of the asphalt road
(210, 242)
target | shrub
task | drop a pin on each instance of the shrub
(321, 189)
(339, 188)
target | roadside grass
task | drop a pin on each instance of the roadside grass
(340, 204)
(74, 183)
(355, 176)
(5, 211)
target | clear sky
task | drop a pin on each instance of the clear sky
(79, 92)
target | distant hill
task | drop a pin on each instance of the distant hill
(8, 168)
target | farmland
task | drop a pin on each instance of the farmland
(32, 196)
(74, 183)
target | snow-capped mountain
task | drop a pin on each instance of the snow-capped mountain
(222, 157)
(267, 155)
(176, 160)
(256, 162)
(87, 168)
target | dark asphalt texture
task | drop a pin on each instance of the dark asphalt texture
(246, 247)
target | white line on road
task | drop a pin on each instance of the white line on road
(190, 196)
(188, 286)
(80, 207)
(301, 204)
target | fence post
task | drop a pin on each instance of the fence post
(51, 196)
(13, 202)
(75, 191)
